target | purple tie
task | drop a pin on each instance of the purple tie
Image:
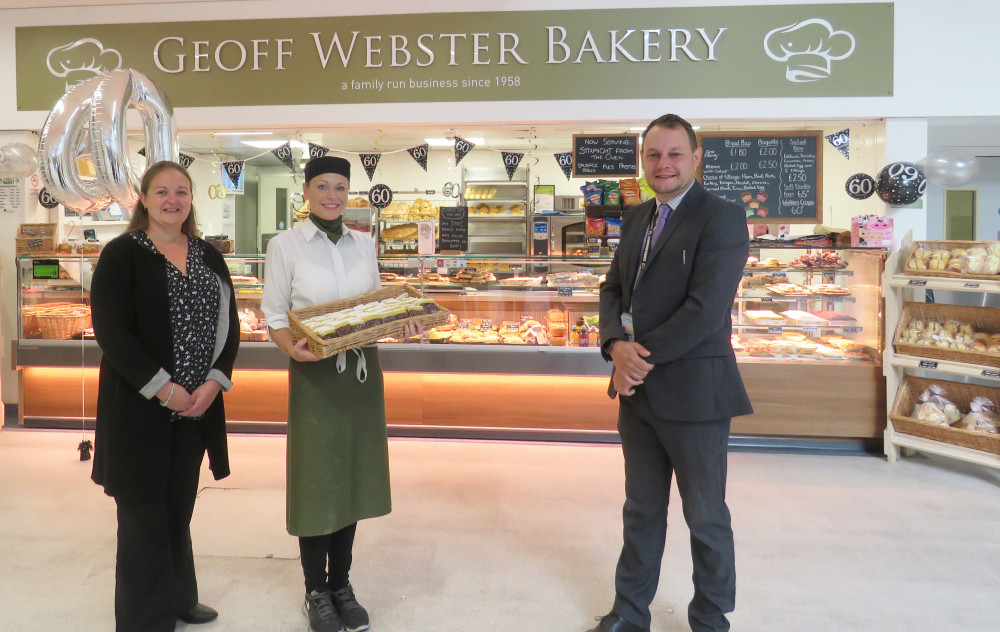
(661, 219)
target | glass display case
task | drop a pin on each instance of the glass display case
(520, 351)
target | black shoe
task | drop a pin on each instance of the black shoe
(351, 613)
(613, 623)
(322, 615)
(199, 614)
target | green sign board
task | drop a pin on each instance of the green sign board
(814, 50)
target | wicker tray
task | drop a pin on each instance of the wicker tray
(63, 323)
(945, 245)
(960, 394)
(983, 319)
(35, 239)
(325, 348)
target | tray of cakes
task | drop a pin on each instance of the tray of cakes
(828, 289)
(521, 281)
(788, 289)
(573, 279)
(473, 276)
(360, 320)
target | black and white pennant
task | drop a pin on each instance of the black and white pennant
(842, 141)
(511, 159)
(419, 153)
(462, 149)
(284, 154)
(234, 170)
(185, 160)
(565, 161)
(370, 163)
(317, 151)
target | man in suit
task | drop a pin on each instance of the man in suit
(666, 325)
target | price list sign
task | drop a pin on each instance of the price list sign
(776, 177)
(605, 156)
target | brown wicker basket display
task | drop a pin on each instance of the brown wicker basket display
(982, 319)
(325, 348)
(35, 239)
(64, 322)
(29, 318)
(960, 394)
(945, 245)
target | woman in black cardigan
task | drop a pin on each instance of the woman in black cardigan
(164, 314)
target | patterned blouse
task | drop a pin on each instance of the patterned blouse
(194, 314)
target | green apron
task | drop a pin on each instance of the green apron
(337, 459)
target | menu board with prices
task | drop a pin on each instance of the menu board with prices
(776, 177)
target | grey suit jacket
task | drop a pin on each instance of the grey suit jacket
(682, 305)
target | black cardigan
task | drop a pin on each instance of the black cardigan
(131, 315)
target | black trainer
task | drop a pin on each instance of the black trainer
(322, 615)
(352, 614)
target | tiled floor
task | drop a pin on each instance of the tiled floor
(498, 536)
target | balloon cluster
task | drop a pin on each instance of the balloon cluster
(17, 160)
(88, 123)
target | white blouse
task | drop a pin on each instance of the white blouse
(304, 268)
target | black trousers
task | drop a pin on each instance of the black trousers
(154, 575)
(695, 453)
(326, 559)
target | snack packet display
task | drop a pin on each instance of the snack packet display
(613, 226)
(630, 191)
(645, 193)
(935, 408)
(612, 194)
(596, 226)
(982, 417)
(592, 193)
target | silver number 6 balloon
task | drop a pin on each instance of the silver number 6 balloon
(89, 121)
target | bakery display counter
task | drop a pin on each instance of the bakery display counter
(520, 356)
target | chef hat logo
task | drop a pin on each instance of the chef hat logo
(808, 49)
(82, 59)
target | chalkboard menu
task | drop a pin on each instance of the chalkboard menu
(777, 177)
(454, 227)
(605, 156)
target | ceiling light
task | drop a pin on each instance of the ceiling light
(274, 144)
(450, 142)
(244, 133)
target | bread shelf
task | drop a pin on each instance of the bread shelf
(900, 289)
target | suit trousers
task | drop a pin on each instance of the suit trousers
(154, 575)
(695, 452)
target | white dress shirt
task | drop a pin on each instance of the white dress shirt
(304, 268)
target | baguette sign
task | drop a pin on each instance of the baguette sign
(454, 226)
(597, 155)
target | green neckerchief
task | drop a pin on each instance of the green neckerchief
(334, 228)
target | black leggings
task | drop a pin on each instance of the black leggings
(315, 550)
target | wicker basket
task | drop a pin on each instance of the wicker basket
(960, 394)
(35, 239)
(945, 245)
(29, 317)
(64, 322)
(325, 348)
(982, 319)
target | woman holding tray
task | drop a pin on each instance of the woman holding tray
(337, 454)
(164, 315)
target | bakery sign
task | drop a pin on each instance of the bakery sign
(791, 50)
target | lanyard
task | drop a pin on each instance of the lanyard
(646, 247)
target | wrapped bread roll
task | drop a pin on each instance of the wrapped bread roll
(977, 250)
(939, 260)
(974, 262)
(991, 265)
(957, 264)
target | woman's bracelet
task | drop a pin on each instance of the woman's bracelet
(169, 395)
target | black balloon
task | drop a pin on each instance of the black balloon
(900, 183)
(860, 186)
